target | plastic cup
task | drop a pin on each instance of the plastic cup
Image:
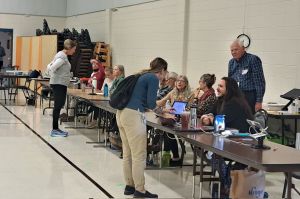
(185, 120)
(82, 85)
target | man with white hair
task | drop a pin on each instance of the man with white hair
(247, 70)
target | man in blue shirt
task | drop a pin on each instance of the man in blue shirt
(247, 70)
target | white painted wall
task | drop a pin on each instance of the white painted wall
(143, 32)
(94, 22)
(273, 26)
(26, 26)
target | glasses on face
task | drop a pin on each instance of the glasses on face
(180, 80)
(170, 79)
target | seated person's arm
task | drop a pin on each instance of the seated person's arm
(163, 101)
(207, 119)
(206, 106)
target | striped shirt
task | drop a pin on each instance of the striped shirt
(248, 72)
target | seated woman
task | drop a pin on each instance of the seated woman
(231, 103)
(168, 86)
(205, 96)
(181, 92)
(119, 74)
(109, 78)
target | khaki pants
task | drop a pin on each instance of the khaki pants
(132, 127)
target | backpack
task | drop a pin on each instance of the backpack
(261, 116)
(34, 74)
(122, 94)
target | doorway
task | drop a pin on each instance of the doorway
(6, 39)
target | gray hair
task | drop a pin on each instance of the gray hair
(172, 75)
(239, 42)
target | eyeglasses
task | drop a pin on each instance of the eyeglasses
(170, 79)
(181, 80)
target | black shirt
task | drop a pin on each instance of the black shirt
(235, 114)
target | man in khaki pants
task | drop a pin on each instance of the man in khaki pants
(132, 126)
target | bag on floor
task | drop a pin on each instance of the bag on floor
(121, 96)
(247, 184)
(30, 100)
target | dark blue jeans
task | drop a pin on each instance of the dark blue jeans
(251, 99)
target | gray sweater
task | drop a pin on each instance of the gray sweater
(59, 69)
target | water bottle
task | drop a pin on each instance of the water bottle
(94, 82)
(105, 90)
(166, 159)
(168, 104)
(193, 115)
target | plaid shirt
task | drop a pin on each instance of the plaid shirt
(249, 74)
(163, 92)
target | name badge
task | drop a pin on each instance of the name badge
(244, 72)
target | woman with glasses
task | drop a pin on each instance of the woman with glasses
(181, 92)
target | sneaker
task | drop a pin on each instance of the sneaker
(147, 194)
(58, 133)
(129, 190)
(64, 132)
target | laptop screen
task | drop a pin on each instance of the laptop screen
(179, 107)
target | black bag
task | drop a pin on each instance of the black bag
(121, 96)
(34, 74)
(30, 100)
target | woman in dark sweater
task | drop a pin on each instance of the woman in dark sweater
(231, 103)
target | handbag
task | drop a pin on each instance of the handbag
(247, 184)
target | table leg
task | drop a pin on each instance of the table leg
(295, 131)
(35, 93)
(282, 131)
(201, 172)
(289, 185)
(194, 170)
